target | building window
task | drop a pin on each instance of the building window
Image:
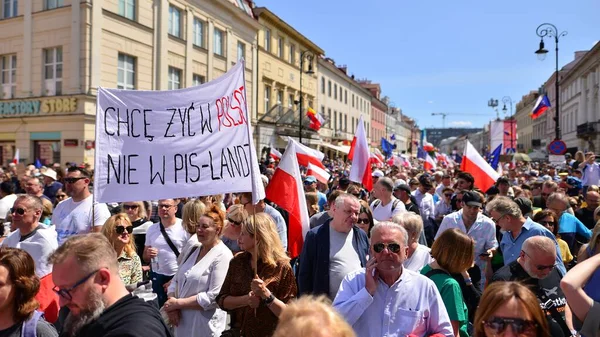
(174, 78)
(53, 64)
(334, 91)
(290, 100)
(199, 32)
(10, 8)
(293, 54)
(329, 117)
(323, 85)
(341, 93)
(174, 21)
(198, 79)
(352, 124)
(279, 97)
(51, 4)
(345, 123)
(267, 39)
(329, 88)
(126, 8)
(241, 51)
(267, 98)
(8, 68)
(353, 100)
(345, 96)
(335, 120)
(126, 72)
(280, 48)
(219, 42)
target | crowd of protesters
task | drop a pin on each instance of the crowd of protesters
(421, 254)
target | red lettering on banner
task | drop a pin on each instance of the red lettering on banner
(231, 105)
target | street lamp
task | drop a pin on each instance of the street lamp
(550, 30)
(508, 100)
(493, 103)
(309, 56)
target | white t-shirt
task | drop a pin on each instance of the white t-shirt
(71, 218)
(39, 245)
(383, 212)
(167, 260)
(419, 259)
(343, 259)
(6, 203)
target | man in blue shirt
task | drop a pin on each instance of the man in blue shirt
(507, 215)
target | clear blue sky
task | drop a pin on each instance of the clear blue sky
(444, 56)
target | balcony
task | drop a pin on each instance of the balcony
(586, 129)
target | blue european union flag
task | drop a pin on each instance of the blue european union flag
(421, 154)
(386, 147)
(494, 158)
(37, 163)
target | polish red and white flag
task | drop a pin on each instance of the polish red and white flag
(360, 171)
(319, 173)
(16, 157)
(472, 162)
(287, 191)
(307, 155)
(429, 163)
(276, 155)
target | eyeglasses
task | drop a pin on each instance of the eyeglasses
(235, 223)
(548, 223)
(73, 180)
(165, 206)
(66, 293)
(19, 211)
(519, 326)
(540, 267)
(309, 182)
(122, 229)
(500, 218)
(363, 221)
(392, 247)
(128, 207)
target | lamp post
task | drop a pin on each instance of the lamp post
(309, 56)
(550, 30)
(493, 103)
(508, 100)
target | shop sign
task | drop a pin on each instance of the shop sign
(37, 107)
(71, 142)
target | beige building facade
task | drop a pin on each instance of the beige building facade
(280, 55)
(53, 59)
(524, 122)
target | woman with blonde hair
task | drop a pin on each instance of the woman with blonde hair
(193, 210)
(453, 252)
(579, 158)
(260, 280)
(117, 229)
(509, 305)
(312, 316)
(312, 203)
(191, 306)
(236, 216)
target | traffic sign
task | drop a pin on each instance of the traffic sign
(557, 147)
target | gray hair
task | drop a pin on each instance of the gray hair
(539, 243)
(392, 226)
(559, 196)
(39, 181)
(31, 200)
(412, 222)
(341, 199)
(387, 183)
(505, 206)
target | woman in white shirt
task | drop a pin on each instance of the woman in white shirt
(191, 306)
(418, 255)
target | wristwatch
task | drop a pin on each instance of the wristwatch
(269, 299)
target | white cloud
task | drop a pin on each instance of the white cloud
(461, 123)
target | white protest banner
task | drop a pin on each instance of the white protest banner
(166, 144)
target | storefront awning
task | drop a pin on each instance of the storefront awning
(340, 148)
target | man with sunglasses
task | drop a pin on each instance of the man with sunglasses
(79, 214)
(386, 299)
(310, 185)
(86, 277)
(548, 187)
(535, 268)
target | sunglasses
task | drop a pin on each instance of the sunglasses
(392, 247)
(128, 207)
(73, 180)
(363, 221)
(448, 195)
(548, 223)
(235, 223)
(540, 267)
(122, 229)
(519, 326)
(19, 211)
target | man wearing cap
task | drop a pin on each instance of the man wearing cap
(376, 175)
(310, 185)
(477, 226)
(404, 194)
(426, 206)
(51, 186)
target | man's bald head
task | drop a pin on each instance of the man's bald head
(539, 244)
(592, 199)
